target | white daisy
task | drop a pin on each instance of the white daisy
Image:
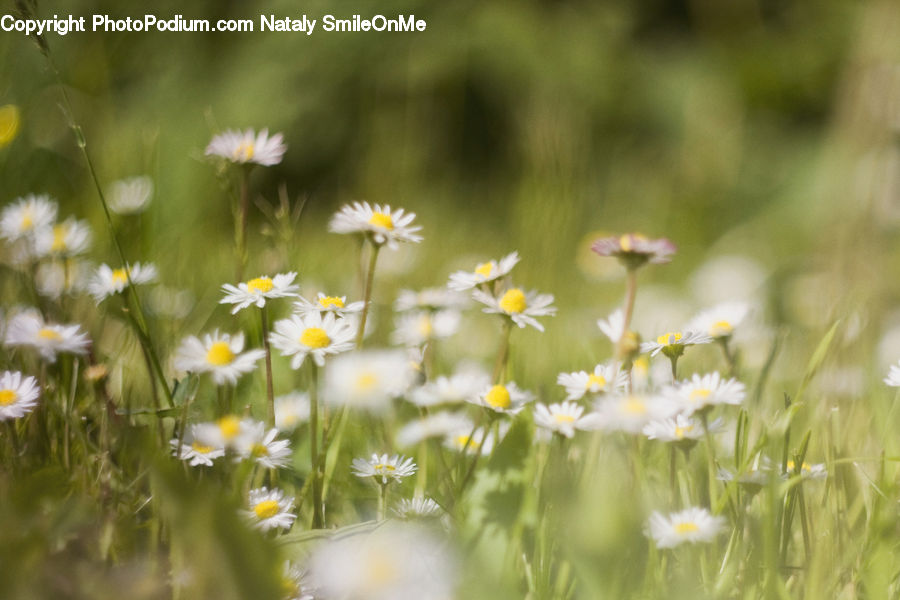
(707, 390)
(295, 583)
(130, 196)
(429, 299)
(415, 328)
(634, 249)
(25, 216)
(67, 276)
(675, 342)
(418, 507)
(604, 378)
(564, 418)
(384, 467)
(291, 410)
(468, 439)
(325, 304)
(807, 470)
(721, 320)
(257, 444)
(312, 334)
(223, 433)
(368, 380)
(194, 451)
(218, 354)
(503, 398)
(630, 413)
(681, 428)
(439, 424)
(18, 395)
(242, 147)
(613, 327)
(257, 291)
(69, 238)
(107, 282)
(270, 509)
(518, 305)
(49, 339)
(459, 387)
(893, 378)
(379, 222)
(692, 525)
(483, 273)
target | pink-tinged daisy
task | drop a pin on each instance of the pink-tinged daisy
(243, 147)
(634, 249)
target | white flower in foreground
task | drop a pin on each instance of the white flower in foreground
(518, 305)
(604, 378)
(439, 424)
(681, 428)
(418, 327)
(564, 418)
(107, 281)
(68, 276)
(379, 221)
(503, 398)
(429, 299)
(418, 507)
(256, 444)
(25, 216)
(130, 196)
(49, 339)
(384, 467)
(312, 334)
(270, 509)
(69, 238)
(630, 413)
(674, 342)
(613, 327)
(459, 387)
(218, 354)
(291, 410)
(223, 433)
(196, 452)
(328, 304)
(242, 147)
(257, 291)
(397, 561)
(295, 584)
(691, 525)
(368, 380)
(700, 392)
(483, 273)
(18, 395)
(721, 320)
(893, 378)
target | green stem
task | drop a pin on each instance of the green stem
(270, 394)
(500, 366)
(241, 232)
(367, 294)
(315, 466)
(382, 502)
(711, 460)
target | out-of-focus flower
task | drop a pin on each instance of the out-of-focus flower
(27, 215)
(674, 343)
(270, 509)
(18, 395)
(291, 410)
(459, 387)
(721, 320)
(49, 339)
(418, 327)
(130, 196)
(483, 273)
(384, 467)
(438, 424)
(503, 398)
(107, 281)
(604, 378)
(368, 380)
(564, 418)
(379, 222)
(418, 507)
(634, 250)
(69, 238)
(429, 299)
(700, 392)
(630, 413)
(328, 304)
(243, 147)
(692, 525)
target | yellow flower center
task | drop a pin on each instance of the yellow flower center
(266, 509)
(7, 397)
(668, 339)
(721, 328)
(27, 220)
(498, 397)
(366, 381)
(790, 464)
(634, 406)
(329, 301)
(259, 450)
(627, 241)
(562, 418)
(484, 269)
(425, 326)
(700, 395)
(686, 527)
(260, 284)
(289, 588)
(219, 354)
(680, 432)
(380, 572)
(314, 337)
(49, 334)
(642, 365)
(593, 379)
(119, 277)
(198, 447)
(229, 426)
(463, 440)
(513, 301)
(382, 220)
(59, 238)
(244, 152)
(383, 467)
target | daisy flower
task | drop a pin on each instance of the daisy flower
(257, 444)
(418, 327)
(130, 196)
(295, 584)
(69, 238)
(807, 470)
(483, 273)
(218, 354)
(893, 378)
(270, 509)
(291, 410)
(108, 282)
(25, 216)
(680, 429)
(674, 343)
(707, 390)
(518, 305)
(459, 387)
(634, 250)
(223, 433)
(721, 320)
(438, 424)
(243, 147)
(564, 418)
(257, 291)
(69, 276)
(327, 304)
(469, 440)
(630, 413)
(418, 507)
(195, 452)
(18, 395)
(383, 467)
(503, 398)
(49, 339)
(692, 525)
(604, 378)
(613, 327)
(368, 380)
(379, 222)
(312, 334)
(429, 299)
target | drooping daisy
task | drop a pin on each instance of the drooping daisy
(518, 305)
(108, 281)
(631, 412)
(384, 467)
(681, 429)
(379, 222)
(429, 299)
(721, 320)
(312, 334)
(604, 378)
(459, 387)
(130, 196)
(291, 410)
(18, 395)
(270, 509)
(256, 444)
(218, 354)
(893, 378)
(257, 291)
(483, 273)
(503, 398)
(243, 147)
(368, 380)
(674, 343)
(692, 525)
(328, 304)
(634, 250)
(418, 507)
(25, 216)
(564, 418)
(49, 339)
(700, 392)
(440, 424)
(69, 238)
(613, 326)
(415, 328)
(196, 452)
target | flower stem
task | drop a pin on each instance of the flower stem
(241, 229)
(270, 394)
(711, 460)
(630, 295)
(382, 502)
(367, 294)
(503, 353)
(315, 467)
